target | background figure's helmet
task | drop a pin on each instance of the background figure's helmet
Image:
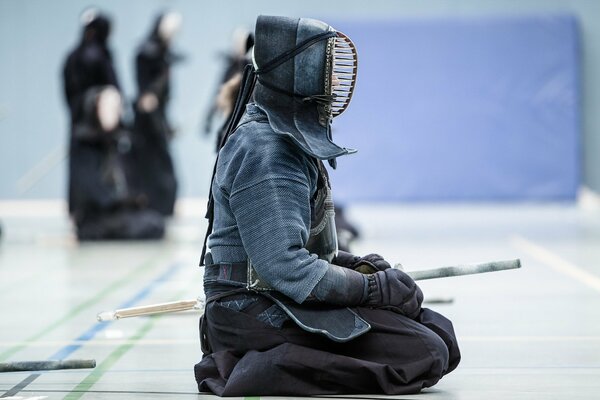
(306, 75)
(109, 107)
(168, 25)
(96, 25)
(242, 40)
(103, 108)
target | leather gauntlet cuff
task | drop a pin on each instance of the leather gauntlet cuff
(341, 286)
(373, 295)
(345, 259)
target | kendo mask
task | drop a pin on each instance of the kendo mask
(303, 75)
(168, 26)
(344, 62)
(306, 76)
(103, 107)
(96, 25)
(109, 107)
(102, 110)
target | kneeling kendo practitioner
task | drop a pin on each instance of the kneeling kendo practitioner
(88, 65)
(104, 205)
(286, 313)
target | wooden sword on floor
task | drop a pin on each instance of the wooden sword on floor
(418, 275)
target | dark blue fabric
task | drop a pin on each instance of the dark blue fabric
(273, 316)
(238, 304)
(251, 357)
(478, 108)
(262, 191)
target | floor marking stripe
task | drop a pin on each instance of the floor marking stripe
(23, 384)
(103, 342)
(91, 379)
(99, 326)
(81, 307)
(112, 358)
(122, 392)
(529, 338)
(159, 342)
(556, 262)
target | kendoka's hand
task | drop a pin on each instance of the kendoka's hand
(148, 102)
(368, 264)
(395, 290)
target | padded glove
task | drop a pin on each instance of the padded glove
(368, 264)
(394, 290)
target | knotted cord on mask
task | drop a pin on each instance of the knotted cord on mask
(249, 79)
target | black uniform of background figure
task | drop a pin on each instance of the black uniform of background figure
(229, 84)
(88, 65)
(155, 173)
(104, 204)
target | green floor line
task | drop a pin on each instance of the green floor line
(91, 379)
(81, 307)
(112, 358)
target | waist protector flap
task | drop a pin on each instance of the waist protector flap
(337, 324)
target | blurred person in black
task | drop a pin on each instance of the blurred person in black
(155, 173)
(229, 84)
(104, 205)
(90, 64)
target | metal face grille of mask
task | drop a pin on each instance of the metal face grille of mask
(344, 63)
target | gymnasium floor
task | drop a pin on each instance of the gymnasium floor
(532, 333)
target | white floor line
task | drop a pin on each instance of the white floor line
(170, 342)
(25, 398)
(100, 343)
(556, 262)
(529, 338)
(57, 208)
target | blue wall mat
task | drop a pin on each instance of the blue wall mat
(462, 109)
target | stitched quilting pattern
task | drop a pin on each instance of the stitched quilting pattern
(273, 316)
(238, 304)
